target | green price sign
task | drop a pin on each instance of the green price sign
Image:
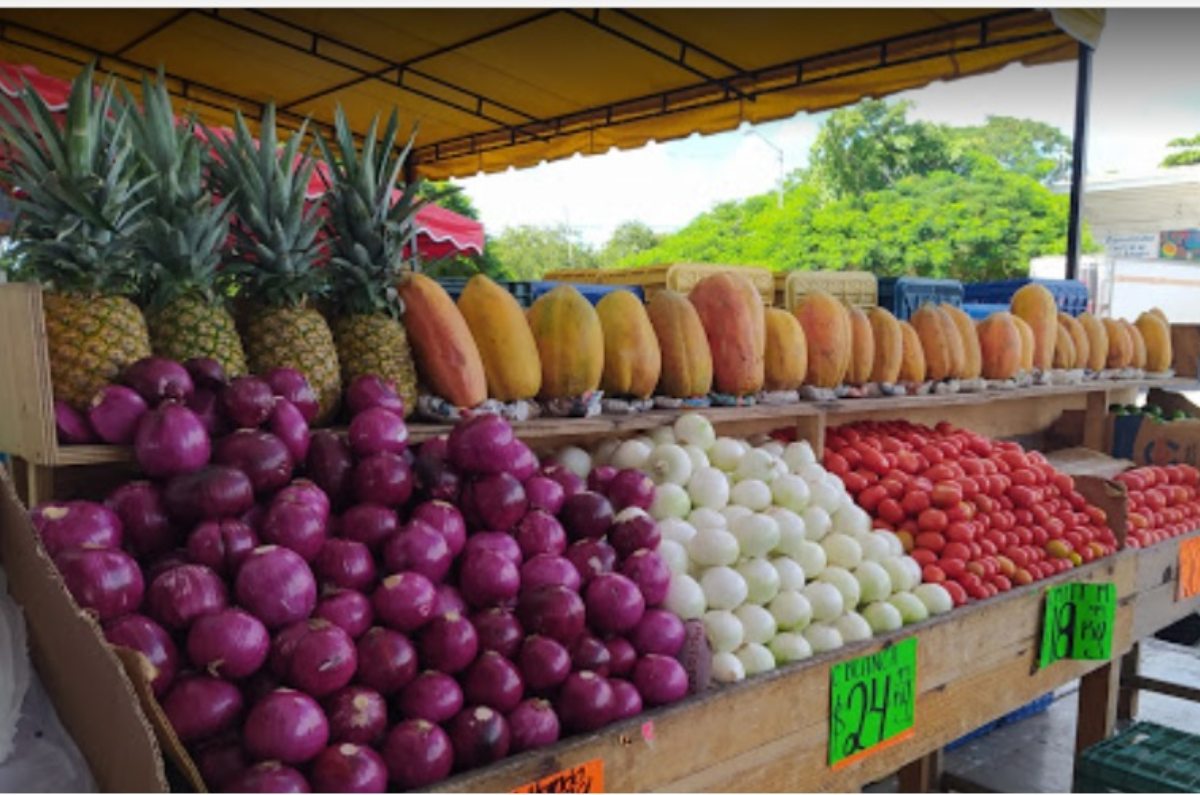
(872, 702)
(1078, 622)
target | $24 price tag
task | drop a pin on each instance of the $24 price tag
(872, 702)
(1078, 622)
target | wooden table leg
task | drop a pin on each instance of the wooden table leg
(1095, 419)
(921, 775)
(1127, 699)
(1097, 715)
(813, 429)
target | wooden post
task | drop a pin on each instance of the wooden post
(1097, 715)
(812, 428)
(921, 775)
(1095, 419)
(1127, 698)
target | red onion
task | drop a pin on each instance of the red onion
(216, 492)
(480, 736)
(487, 579)
(502, 544)
(404, 601)
(292, 386)
(287, 726)
(296, 526)
(649, 572)
(533, 725)
(418, 548)
(377, 430)
(371, 391)
(448, 600)
(79, 523)
(386, 660)
(553, 611)
(166, 561)
(307, 493)
(633, 530)
(448, 643)
(631, 488)
(590, 654)
(495, 502)
(599, 478)
(350, 610)
(347, 767)
(540, 533)
(276, 586)
(544, 663)
(230, 643)
(498, 630)
(330, 465)
(493, 681)
(205, 372)
(115, 412)
(368, 524)
(248, 401)
(142, 634)
(585, 702)
(621, 656)
(270, 777)
(544, 494)
(586, 515)
(157, 379)
(628, 699)
(260, 685)
(200, 707)
(323, 661)
(479, 445)
(220, 762)
(432, 696)
(262, 456)
(140, 506)
(221, 545)
(72, 426)
(283, 646)
(206, 405)
(105, 582)
(614, 603)
(660, 680)
(356, 715)
(289, 425)
(659, 632)
(179, 596)
(345, 564)
(571, 483)
(522, 463)
(434, 473)
(417, 753)
(171, 441)
(446, 519)
(542, 570)
(384, 478)
(591, 557)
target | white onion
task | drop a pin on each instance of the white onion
(845, 582)
(708, 488)
(670, 500)
(661, 435)
(823, 637)
(825, 496)
(757, 534)
(674, 529)
(883, 617)
(669, 463)
(632, 454)
(900, 574)
(797, 454)
(727, 667)
(789, 647)
(734, 512)
(911, 608)
(604, 451)
(755, 465)
(707, 517)
(685, 597)
(674, 555)
(915, 575)
(757, 623)
(791, 574)
(772, 448)
(834, 482)
(852, 520)
(756, 658)
(791, 492)
(713, 546)
(811, 558)
(726, 454)
(893, 541)
(698, 457)
(723, 630)
(791, 530)
(724, 588)
(762, 581)
(937, 600)
(754, 494)
(812, 473)
(816, 522)
(825, 599)
(873, 580)
(575, 459)
(791, 610)
(693, 428)
(875, 548)
(842, 550)
(853, 627)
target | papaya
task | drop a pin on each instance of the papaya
(1027, 344)
(943, 347)
(1139, 345)
(786, 353)
(1097, 341)
(912, 358)
(632, 358)
(446, 354)
(510, 356)
(1064, 352)
(1079, 337)
(1161, 315)
(1157, 336)
(570, 342)
(687, 367)
(999, 346)
(972, 356)
(1034, 304)
(1120, 346)
(829, 335)
(889, 345)
(731, 311)
(862, 348)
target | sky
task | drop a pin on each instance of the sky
(1145, 92)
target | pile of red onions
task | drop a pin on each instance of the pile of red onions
(343, 613)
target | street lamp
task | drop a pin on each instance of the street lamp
(778, 156)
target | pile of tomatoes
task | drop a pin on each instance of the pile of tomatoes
(979, 515)
(1164, 502)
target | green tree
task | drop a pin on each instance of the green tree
(628, 239)
(1188, 154)
(454, 198)
(1028, 147)
(527, 252)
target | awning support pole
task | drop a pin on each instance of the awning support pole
(1083, 94)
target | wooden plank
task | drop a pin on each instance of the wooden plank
(1127, 698)
(1097, 706)
(1095, 419)
(26, 399)
(1172, 689)
(923, 774)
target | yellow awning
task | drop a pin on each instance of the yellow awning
(493, 88)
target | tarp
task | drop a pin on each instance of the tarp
(494, 88)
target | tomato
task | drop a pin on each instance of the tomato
(875, 461)
(1022, 577)
(984, 503)
(956, 550)
(1017, 555)
(939, 472)
(1040, 514)
(1024, 477)
(908, 462)
(961, 512)
(932, 541)
(932, 454)
(870, 497)
(914, 502)
(890, 511)
(852, 456)
(998, 485)
(969, 487)
(932, 520)
(836, 463)
(1023, 496)
(923, 556)
(933, 573)
(972, 466)
(946, 494)
(960, 531)
(922, 483)
(988, 547)
(894, 487)
(954, 567)
(957, 594)
(1039, 536)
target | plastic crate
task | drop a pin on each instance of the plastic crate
(1144, 757)
(903, 295)
(523, 291)
(1035, 707)
(1070, 295)
(982, 311)
(855, 288)
(680, 277)
(592, 292)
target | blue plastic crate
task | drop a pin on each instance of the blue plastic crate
(1035, 707)
(1070, 295)
(981, 311)
(592, 292)
(522, 291)
(903, 295)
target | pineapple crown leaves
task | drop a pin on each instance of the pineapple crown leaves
(78, 197)
(186, 229)
(275, 227)
(371, 234)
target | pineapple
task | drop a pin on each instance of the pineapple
(370, 236)
(79, 208)
(182, 239)
(277, 252)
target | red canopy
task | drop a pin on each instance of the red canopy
(440, 232)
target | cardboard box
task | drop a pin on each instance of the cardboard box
(1093, 473)
(1146, 442)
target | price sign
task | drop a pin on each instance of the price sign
(872, 702)
(1189, 569)
(1078, 622)
(588, 777)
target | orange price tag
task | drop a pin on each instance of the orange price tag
(588, 777)
(1189, 569)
